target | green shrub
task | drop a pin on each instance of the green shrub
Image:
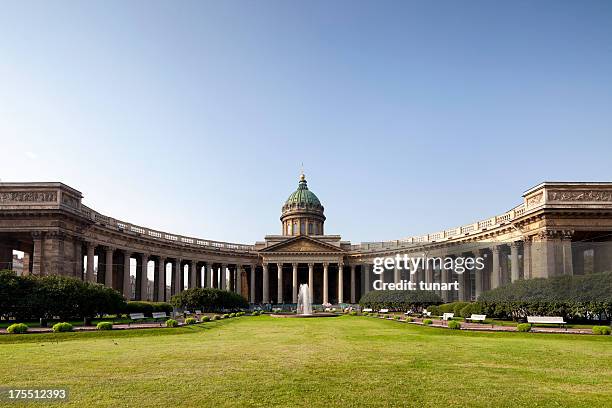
(427, 322)
(524, 327)
(232, 315)
(453, 324)
(569, 296)
(225, 316)
(255, 313)
(62, 327)
(603, 330)
(353, 313)
(171, 323)
(409, 319)
(216, 317)
(190, 320)
(209, 300)
(396, 317)
(34, 297)
(104, 326)
(205, 319)
(17, 328)
(469, 309)
(399, 299)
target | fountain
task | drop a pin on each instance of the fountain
(304, 304)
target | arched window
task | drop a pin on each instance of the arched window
(310, 229)
(302, 227)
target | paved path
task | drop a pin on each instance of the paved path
(436, 323)
(491, 327)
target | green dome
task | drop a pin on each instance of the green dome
(302, 195)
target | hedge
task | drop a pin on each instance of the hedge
(605, 330)
(453, 324)
(104, 326)
(17, 328)
(171, 323)
(62, 327)
(35, 297)
(524, 327)
(209, 300)
(399, 299)
(580, 297)
(453, 307)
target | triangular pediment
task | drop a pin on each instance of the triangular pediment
(303, 244)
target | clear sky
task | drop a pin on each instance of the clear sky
(410, 117)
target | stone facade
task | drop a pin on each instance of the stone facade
(558, 229)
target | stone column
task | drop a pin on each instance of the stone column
(495, 270)
(527, 259)
(161, 280)
(90, 261)
(503, 266)
(353, 297)
(396, 275)
(252, 285)
(210, 275)
(279, 286)
(192, 274)
(366, 274)
(295, 282)
(223, 277)
(445, 278)
(127, 287)
(325, 283)
(311, 281)
(340, 283)
(514, 261)
(478, 276)
(266, 284)
(176, 273)
(428, 273)
(566, 253)
(144, 280)
(108, 273)
(37, 253)
(238, 286)
(78, 259)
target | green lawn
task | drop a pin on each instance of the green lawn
(329, 362)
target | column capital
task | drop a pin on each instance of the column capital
(37, 234)
(516, 244)
(108, 248)
(294, 264)
(325, 264)
(311, 264)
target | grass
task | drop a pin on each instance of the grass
(331, 362)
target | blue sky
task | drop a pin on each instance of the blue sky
(410, 117)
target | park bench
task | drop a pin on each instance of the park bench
(383, 311)
(136, 316)
(198, 312)
(160, 316)
(426, 313)
(408, 313)
(448, 316)
(546, 320)
(476, 318)
(367, 309)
